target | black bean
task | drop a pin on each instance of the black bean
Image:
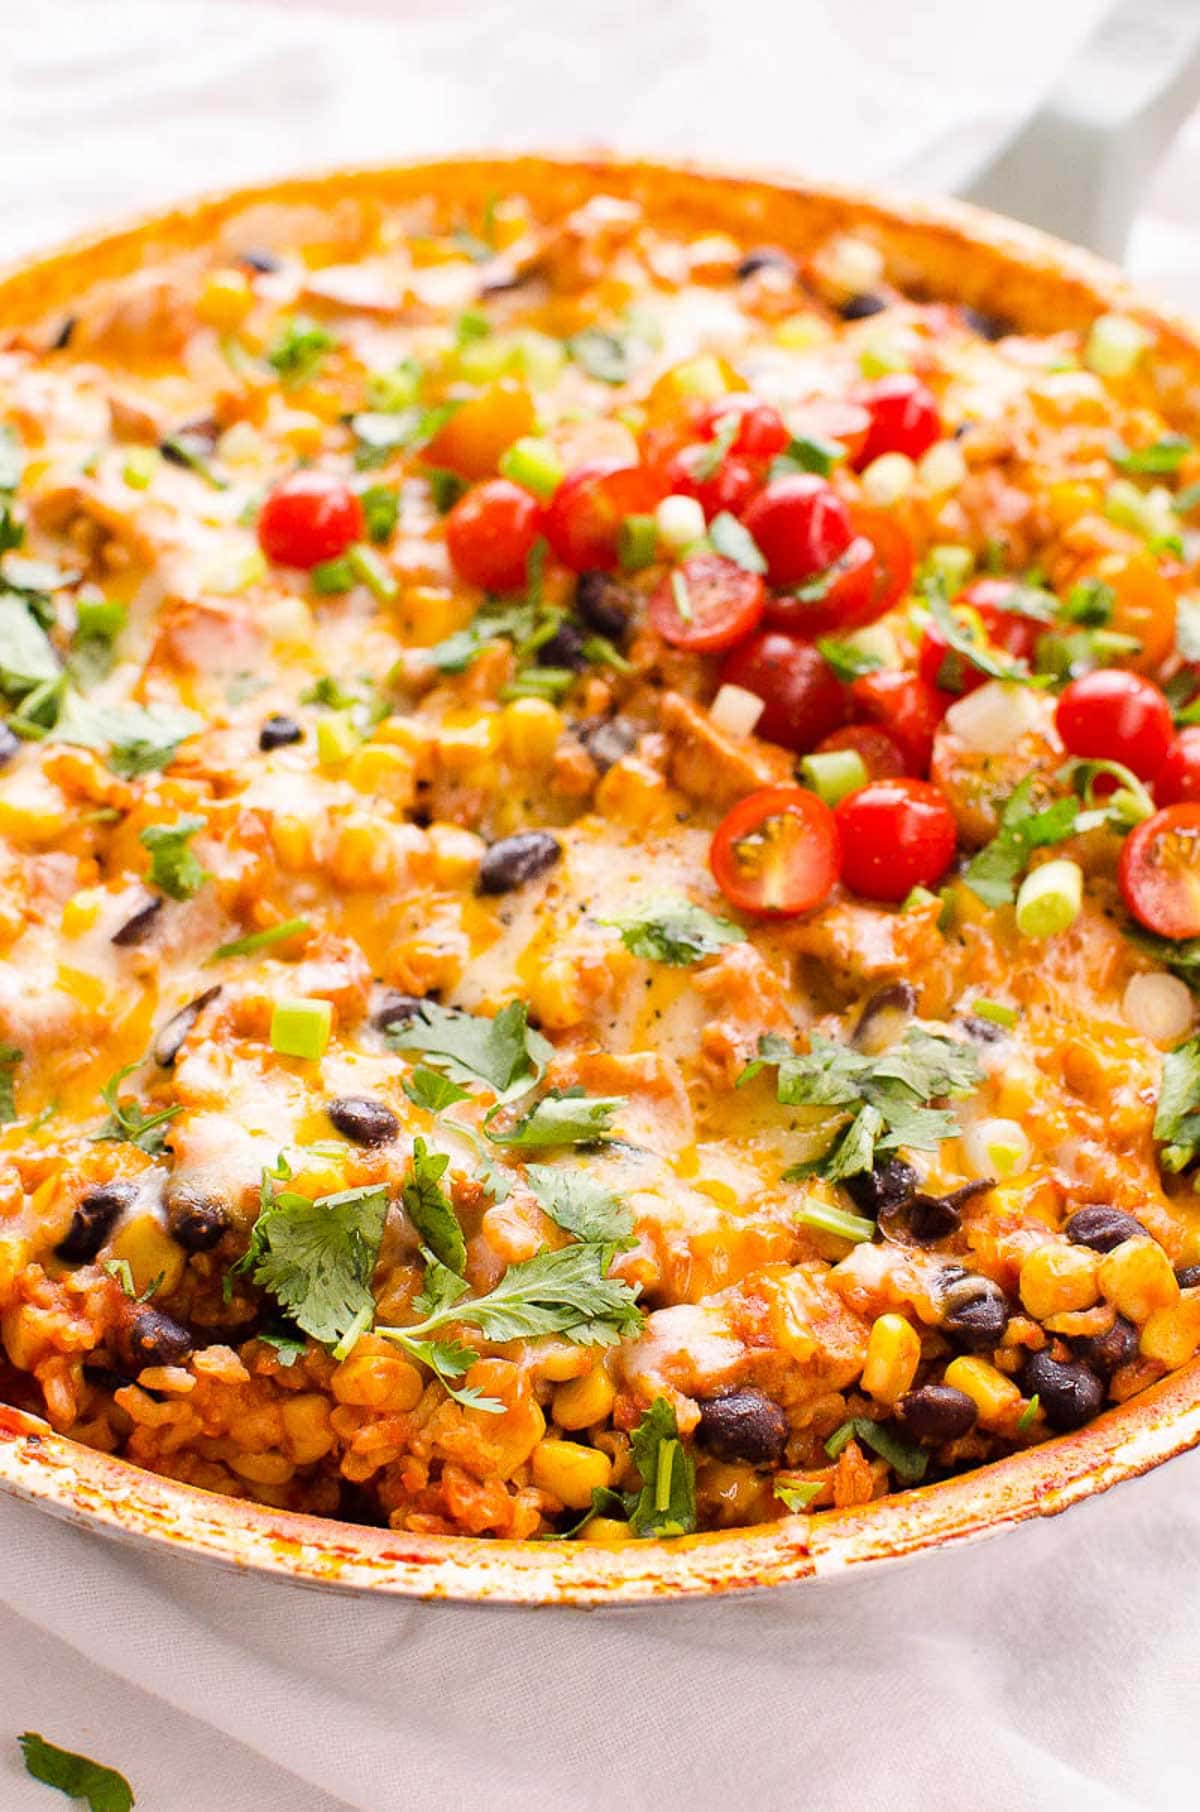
(197, 1221)
(137, 929)
(10, 742)
(513, 861)
(604, 603)
(263, 262)
(766, 257)
(1068, 1392)
(366, 1122)
(1188, 1276)
(859, 308)
(1102, 1228)
(892, 1182)
(1105, 1352)
(974, 1312)
(65, 334)
(936, 1413)
(170, 1040)
(991, 327)
(745, 1425)
(931, 1218)
(157, 1339)
(983, 1031)
(884, 1015)
(92, 1221)
(607, 740)
(395, 1010)
(278, 731)
(564, 649)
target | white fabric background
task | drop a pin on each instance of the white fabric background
(1055, 1668)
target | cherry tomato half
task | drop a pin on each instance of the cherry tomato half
(722, 601)
(309, 517)
(1016, 635)
(490, 533)
(583, 519)
(761, 430)
(862, 584)
(778, 851)
(904, 417)
(803, 699)
(1178, 779)
(729, 487)
(1113, 715)
(1159, 872)
(879, 752)
(800, 525)
(907, 707)
(896, 835)
(832, 418)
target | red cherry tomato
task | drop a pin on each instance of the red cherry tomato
(1159, 872)
(761, 430)
(490, 533)
(1178, 779)
(907, 707)
(777, 851)
(1113, 715)
(904, 417)
(896, 835)
(1005, 629)
(723, 603)
(879, 752)
(583, 519)
(309, 517)
(832, 418)
(862, 584)
(729, 487)
(801, 526)
(803, 699)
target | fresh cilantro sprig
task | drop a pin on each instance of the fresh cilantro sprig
(316, 1257)
(1026, 823)
(580, 1204)
(173, 866)
(967, 644)
(1177, 1117)
(666, 1503)
(76, 1776)
(560, 1117)
(504, 1053)
(666, 929)
(430, 1209)
(128, 1122)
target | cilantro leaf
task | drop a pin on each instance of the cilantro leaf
(966, 642)
(381, 433)
(561, 1117)
(1025, 825)
(10, 1057)
(603, 355)
(430, 1209)
(1164, 455)
(580, 1204)
(173, 867)
(287, 1343)
(139, 738)
(260, 940)
(566, 1292)
(666, 1503)
(706, 459)
(76, 1776)
(433, 1092)
(299, 349)
(799, 1496)
(848, 661)
(127, 1120)
(316, 1257)
(381, 510)
(907, 1461)
(808, 453)
(672, 930)
(504, 1052)
(1177, 1117)
(731, 539)
(27, 658)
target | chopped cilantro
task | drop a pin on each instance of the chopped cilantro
(139, 738)
(192, 449)
(76, 1776)
(907, 1461)
(1164, 455)
(580, 1204)
(606, 356)
(381, 509)
(99, 621)
(707, 459)
(173, 866)
(122, 1270)
(808, 453)
(561, 1117)
(797, 1497)
(381, 433)
(504, 1053)
(670, 930)
(848, 661)
(128, 1121)
(27, 658)
(433, 1092)
(1090, 603)
(445, 488)
(666, 1503)
(733, 541)
(966, 642)
(1177, 1117)
(260, 940)
(316, 1257)
(299, 349)
(430, 1209)
(1025, 825)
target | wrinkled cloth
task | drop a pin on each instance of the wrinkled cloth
(1055, 1667)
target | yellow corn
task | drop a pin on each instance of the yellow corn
(362, 858)
(374, 1380)
(292, 840)
(455, 854)
(604, 1531)
(225, 299)
(1171, 1335)
(1057, 1279)
(81, 911)
(1136, 1277)
(14, 1256)
(570, 1472)
(430, 613)
(263, 1468)
(893, 1353)
(993, 1395)
(87, 989)
(302, 430)
(584, 1401)
(149, 1250)
(386, 771)
(306, 1427)
(531, 728)
(467, 739)
(555, 996)
(511, 1236)
(402, 733)
(800, 332)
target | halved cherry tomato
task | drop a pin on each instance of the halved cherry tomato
(723, 603)
(490, 534)
(907, 707)
(1144, 605)
(866, 580)
(893, 557)
(896, 835)
(309, 517)
(904, 417)
(879, 752)
(1018, 635)
(583, 518)
(1159, 872)
(1178, 779)
(729, 487)
(832, 418)
(1113, 715)
(761, 429)
(778, 851)
(803, 699)
(943, 666)
(800, 525)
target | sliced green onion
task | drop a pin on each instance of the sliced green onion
(1029, 1414)
(1149, 513)
(996, 1011)
(1166, 454)
(534, 464)
(680, 521)
(637, 543)
(840, 1438)
(372, 572)
(835, 773)
(332, 576)
(996, 1148)
(101, 619)
(1114, 346)
(823, 1218)
(1050, 898)
(907, 1461)
(390, 391)
(337, 739)
(260, 940)
(300, 1028)
(679, 592)
(662, 1480)
(380, 507)
(952, 563)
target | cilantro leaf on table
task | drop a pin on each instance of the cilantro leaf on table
(430, 1209)
(1025, 825)
(580, 1204)
(666, 929)
(561, 1117)
(173, 866)
(316, 1257)
(77, 1776)
(10, 1057)
(1177, 1117)
(666, 1503)
(128, 1122)
(504, 1053)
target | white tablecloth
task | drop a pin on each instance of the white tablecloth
(1056, 1668)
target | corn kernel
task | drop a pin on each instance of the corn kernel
(263, 1468)
(531, 728)
(993, 1395)
(306, 1427)
(292, 841)
(1136, 1277)
(371, 1380)
(14, 1256)
(455, 854)
(389, 773)
(149, 1250)
(225, 299)
(799, 333)
(81, 912)
(893, 1353)
(555, 996)
(302, 430)
(570, 1472)
(605, 1531)
(467, 739)
(1056, 1279)
(362, 858)
(1171, 1335)
(584, 1401)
